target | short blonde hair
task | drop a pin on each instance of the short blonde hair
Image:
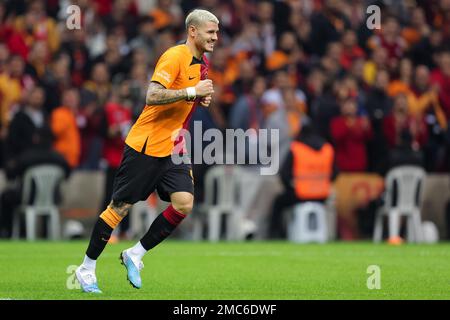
(199, 16)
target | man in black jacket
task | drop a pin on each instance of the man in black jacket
(40, 152)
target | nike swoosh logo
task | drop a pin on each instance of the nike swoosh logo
(105, 239)
(190, 78)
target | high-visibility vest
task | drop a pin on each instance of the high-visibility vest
(312, 170)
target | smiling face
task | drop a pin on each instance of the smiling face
(204, 35)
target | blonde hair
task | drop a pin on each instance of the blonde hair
(199, 16)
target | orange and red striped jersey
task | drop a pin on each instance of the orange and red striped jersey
(156, 126)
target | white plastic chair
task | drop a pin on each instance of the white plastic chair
(234, 190)
(309, 223)
(141, 217)
(46, 179)
(409, 181)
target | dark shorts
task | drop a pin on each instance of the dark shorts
(140, 174)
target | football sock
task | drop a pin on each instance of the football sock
(103, 228)
(136, 253)
(89, 263)
(162, 227)
(111, 217)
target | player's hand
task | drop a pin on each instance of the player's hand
(205, 101)
(204, 88)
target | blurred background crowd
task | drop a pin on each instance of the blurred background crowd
(376, 95)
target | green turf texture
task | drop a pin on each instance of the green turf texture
(254, 270)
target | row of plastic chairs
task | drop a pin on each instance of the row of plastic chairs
(230, 191)
(234, 191)
(37, 200)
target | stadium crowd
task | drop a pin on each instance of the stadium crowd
(373, 94)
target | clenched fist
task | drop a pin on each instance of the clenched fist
(204, 88)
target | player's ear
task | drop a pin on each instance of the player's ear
(192, 30)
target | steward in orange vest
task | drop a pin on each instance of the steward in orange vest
(312, 170)
(306, 175)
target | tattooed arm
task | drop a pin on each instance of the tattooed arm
(157, 94)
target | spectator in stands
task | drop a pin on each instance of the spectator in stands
(417, 29)
(65, 129)
(223, 71)
(327, 25)
(275, 109)
(440, 77)
(166, 14)
(423, 102)
(295, 111)
(94, 95)
(350, 134)
(123, 15)
(331, 60)
(246, 44)
(31, 27)
(56, 80)
(357, 72)
(246, 113)
(146, 38)
(423, 97)
(288, 53)
(266, 26)
(439, 16)
(80, 62)
(391, 40)
(39, 153)
(13, 84)
(29, 124)
(400, 121)
(115, 127)
(306, 176)
(245, 78)
(113, 57)
(405, 78)
(325, 107)
(38, 59)
(138, 87)
(4, 103)
(424, 52)
(4, 57)
(378, 61)
(300, 24)
(350, 49)
(378, 105)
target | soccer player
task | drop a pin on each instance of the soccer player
(178, 83)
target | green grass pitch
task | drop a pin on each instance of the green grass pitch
(254, 270)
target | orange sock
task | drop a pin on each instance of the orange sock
(111, 217)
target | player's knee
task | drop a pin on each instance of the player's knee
(184, 206)
(182, 202)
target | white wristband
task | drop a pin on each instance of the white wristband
(191, 94)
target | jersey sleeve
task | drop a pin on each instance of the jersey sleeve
(167, 69)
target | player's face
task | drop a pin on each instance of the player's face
(206, 36)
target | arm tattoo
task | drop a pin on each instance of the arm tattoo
(157, 94)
